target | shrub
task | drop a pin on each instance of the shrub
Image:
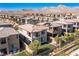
(72, 36)
(38, 48)
(57, 39)
(68, 37)
(45, 47)
(34, 45)
(23, 54)
(76, 32)
(65, 39)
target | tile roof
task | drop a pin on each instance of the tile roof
(75, 20)
(71, 20)
(32, 28)
(4, 23)
(53, 24)
(64, 22)
(5, 32)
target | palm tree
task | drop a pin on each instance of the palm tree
(58, 40)
(34, 46)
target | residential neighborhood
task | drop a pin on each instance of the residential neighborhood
(51, 31)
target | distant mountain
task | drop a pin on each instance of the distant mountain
(45, 10)
(58, 9)
(18, 12)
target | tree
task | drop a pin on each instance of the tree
(72, 36)
(76, 32)
(34, 46)
(58, 40)
(66, 38)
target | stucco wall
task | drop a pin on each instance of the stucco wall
(13, 40)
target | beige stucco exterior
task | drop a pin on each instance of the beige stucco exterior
(11, 40)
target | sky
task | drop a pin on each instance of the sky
(15, 6)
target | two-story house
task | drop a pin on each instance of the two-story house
(75, 23)
(27, 20)
(5, 24)
(53, 28)
(67, 26)
(9, 40)
(32, 32)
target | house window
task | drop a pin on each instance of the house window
(43, 32)
(55, 28)
(29, 34)
(58, 15)
(74, 23)
(42, 39)
(17, 36)
(64, 25)
(3, 40)
(69, 26)
(50, 28)
(23, 20)
(37, 34)
(42, 20)
(77, 23)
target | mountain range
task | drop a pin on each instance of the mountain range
(44, 10)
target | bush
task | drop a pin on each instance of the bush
(38, 48)
(57, 39)
(34, 45)
(23, 54)
(65, 39)
(45, 47)
(69, 37)
(72, 36)
(76, 32)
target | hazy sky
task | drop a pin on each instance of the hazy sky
(33, 5)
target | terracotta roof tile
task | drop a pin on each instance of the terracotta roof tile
(32, 28)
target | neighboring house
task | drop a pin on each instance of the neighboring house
(5, 24)
(67, 26)
(77, 16)
(45, 19)
(32, 32)
(75, 23)
(27, 20)
(64, 16)
(53, 28)
(70, 16)
(9, 40)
